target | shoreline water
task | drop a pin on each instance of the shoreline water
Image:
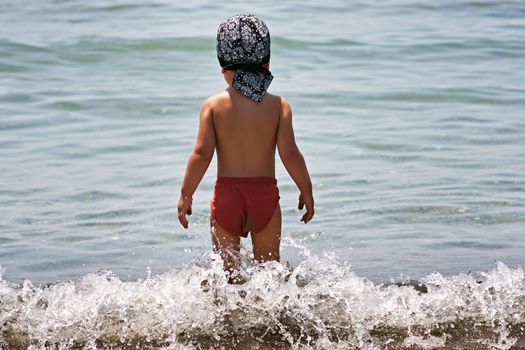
(319, 304)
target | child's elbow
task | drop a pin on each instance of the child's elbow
(289, 154)
(204, 154)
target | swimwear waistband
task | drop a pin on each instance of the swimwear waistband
(250, 179)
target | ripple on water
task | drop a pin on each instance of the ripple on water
(88, 196)
(469, 245)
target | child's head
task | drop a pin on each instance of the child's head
(243, 46)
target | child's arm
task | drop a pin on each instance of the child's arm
(198, 162)
(294, 162)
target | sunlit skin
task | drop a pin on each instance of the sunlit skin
(245, 135)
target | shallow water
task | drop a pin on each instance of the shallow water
(409, 114)
(319, 304)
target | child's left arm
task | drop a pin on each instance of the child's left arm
(198, 162)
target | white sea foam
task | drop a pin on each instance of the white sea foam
(320, 304)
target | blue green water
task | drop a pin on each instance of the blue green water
(410, 116)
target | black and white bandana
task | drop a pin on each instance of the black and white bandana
(243, 45)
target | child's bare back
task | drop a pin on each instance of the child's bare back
(246, 133)
(244, 125)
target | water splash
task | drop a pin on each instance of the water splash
(319, 304)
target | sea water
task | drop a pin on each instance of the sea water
(410, 117)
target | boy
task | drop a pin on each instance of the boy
(245, 124)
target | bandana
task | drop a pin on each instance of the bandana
(243, 45)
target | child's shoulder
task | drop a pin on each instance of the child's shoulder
(280, 103)
(276, 99)
(217, 99)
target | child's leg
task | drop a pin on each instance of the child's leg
(267, 241)
(226, 244)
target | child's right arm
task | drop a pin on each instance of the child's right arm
(293, 161)
(198, 162)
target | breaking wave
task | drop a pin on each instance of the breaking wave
(318, 304)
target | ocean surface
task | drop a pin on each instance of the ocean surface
(411, 117)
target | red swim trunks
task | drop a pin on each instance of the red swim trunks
(241, 202)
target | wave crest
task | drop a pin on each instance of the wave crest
(321, 304)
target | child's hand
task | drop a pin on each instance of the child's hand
(308, 201)
(183, 208)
